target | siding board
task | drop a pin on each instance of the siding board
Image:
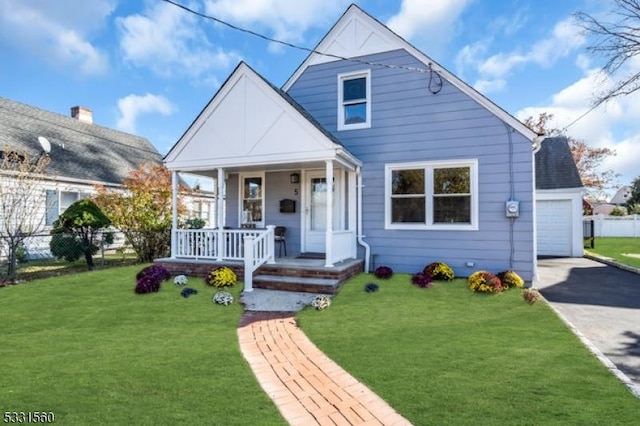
(408, 124)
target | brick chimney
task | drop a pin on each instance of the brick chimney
(82, 114)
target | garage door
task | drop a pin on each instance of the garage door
(553, 220)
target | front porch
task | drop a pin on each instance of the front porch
(286, 273)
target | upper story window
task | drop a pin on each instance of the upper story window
(432, 195)
(354, 100)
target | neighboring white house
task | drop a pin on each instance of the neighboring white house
(82, 155)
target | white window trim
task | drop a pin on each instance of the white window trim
(243, 176)
(429, 166)
(350, 76)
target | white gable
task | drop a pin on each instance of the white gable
(249, 123)
(358, 34)
(352, 37)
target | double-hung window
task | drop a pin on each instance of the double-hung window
(432, 195)
(252, 200)
(354, 100)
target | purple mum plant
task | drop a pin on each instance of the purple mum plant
(150, 278)
(421, 279)
(383, 272)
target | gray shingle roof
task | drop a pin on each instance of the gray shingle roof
(555, 167)
(79, 150)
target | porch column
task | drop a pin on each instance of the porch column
(351, 206)
(174, 213)
(220, 219)
(328, 262)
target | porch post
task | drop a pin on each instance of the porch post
(220, 200)
(174, 213)
(328, 257)
(351, 206)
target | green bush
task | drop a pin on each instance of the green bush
(67, 247)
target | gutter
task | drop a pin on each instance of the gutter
(367, 248)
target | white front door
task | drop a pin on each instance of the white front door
(315, 210)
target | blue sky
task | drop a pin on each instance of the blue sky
(148, 68)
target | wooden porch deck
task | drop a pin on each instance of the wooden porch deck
(287, 273)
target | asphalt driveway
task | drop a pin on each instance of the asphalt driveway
(602, 302)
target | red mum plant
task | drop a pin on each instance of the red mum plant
(383, 272)
(421, 279)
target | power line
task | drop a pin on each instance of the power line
(596, 105)
(307, 49)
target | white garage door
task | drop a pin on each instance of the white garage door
(553, 220)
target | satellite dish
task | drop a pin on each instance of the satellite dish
(44, 143)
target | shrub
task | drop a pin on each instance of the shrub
(150, 278)
(439, 271)
(485, 282)
(371, 288)
(510, 279)
(531, 295)
(66, 246)
(321, 302)
(421, 279)
(383, 272)
(223, 298)
(222, 276)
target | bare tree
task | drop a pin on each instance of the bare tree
(588, 160)
(21, 202)
(618, 41)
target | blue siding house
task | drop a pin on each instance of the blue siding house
(371, 150)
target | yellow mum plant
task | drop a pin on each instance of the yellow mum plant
(221, 277)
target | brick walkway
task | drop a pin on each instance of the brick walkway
(306, 386)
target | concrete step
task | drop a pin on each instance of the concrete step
(300, 284)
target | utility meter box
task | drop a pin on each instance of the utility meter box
(513, 208)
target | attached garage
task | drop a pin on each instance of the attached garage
(559, 193)
(553, 219)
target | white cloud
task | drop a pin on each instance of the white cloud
(132, 106)
(286, 20)
(168, 41)
(612, 125)
(431, 21)
(58, 32)
(565, 38)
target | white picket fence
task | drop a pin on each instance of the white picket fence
(615, 226)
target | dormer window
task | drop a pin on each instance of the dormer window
(354, 100)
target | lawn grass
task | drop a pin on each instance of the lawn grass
(445, 355)
(87, 348)
(616, 248)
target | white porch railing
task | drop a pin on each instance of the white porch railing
(258, 251)
(212, 244)
(342, 246)
(252, 246)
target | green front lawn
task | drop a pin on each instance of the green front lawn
(445, 355)
(87, 348)
(618, 248)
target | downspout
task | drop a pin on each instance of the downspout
(367, 248)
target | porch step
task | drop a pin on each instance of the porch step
(294, 283)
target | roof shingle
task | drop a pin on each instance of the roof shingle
(79, 150)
